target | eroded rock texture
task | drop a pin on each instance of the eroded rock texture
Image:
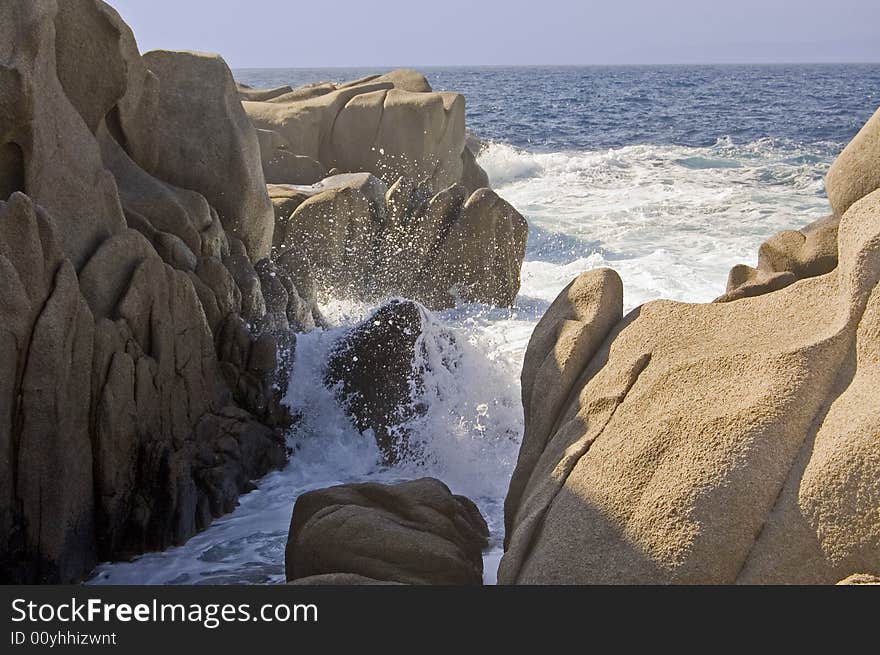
(206, 143)
(415, 532)
(786, 258)
(729, 442)
(715, 443)
(143, 331)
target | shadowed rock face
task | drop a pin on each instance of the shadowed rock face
(153, 288)
(415, 532)
(199, 114)
(719, 443)
(53, 146)
(364, 240)
(46, 465)
(142, 342)
(564, 341)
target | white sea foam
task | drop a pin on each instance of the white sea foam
(671, 220)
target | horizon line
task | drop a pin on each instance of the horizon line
(614, 65)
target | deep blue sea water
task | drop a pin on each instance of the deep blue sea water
(552, 108)
(668, 174)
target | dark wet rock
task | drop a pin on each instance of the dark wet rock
(372, 370)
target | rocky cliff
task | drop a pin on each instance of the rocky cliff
(152, 287)
(139, 393)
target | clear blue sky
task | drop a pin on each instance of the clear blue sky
(318, 33)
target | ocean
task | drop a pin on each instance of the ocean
(668, 174)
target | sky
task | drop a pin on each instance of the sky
(327, 33)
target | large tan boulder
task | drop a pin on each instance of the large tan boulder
(414, 532)
(304, 119)
(718, 443)
(390, 125)
(207, 144)
(480, 256)
(856, 172)
(396, 132)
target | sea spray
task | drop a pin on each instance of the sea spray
(468, 436)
